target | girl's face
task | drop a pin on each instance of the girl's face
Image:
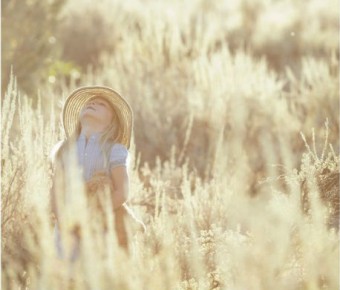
(97, 109)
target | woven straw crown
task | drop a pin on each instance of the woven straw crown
(75, 102)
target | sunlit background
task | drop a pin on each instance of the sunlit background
(235, 154)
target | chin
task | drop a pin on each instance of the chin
(87, 116)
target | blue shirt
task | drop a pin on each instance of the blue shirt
(91, 158)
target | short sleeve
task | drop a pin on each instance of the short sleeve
(119, 156)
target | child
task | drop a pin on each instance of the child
(98, 124)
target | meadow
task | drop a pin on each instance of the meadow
(235, 154)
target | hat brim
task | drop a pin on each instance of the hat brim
(78, 98)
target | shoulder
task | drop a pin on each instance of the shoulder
(55, 149)
(119, 155)
(118, 148)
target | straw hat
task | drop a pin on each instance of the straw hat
(75, 102)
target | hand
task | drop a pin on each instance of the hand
(98, 182)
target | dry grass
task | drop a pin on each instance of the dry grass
(232, 195)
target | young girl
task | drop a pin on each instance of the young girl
(98, 124)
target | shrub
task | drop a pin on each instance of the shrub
(29, 40)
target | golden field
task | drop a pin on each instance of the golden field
(235, 157)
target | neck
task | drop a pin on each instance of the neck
(88, 130)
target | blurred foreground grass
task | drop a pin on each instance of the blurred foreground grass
(232, 195)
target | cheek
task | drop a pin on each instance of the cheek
(109, 115)
(81, 113)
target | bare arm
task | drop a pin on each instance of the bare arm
(57, 185)
(120, 181)
(56, 180)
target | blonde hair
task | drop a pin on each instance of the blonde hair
(110, 136)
